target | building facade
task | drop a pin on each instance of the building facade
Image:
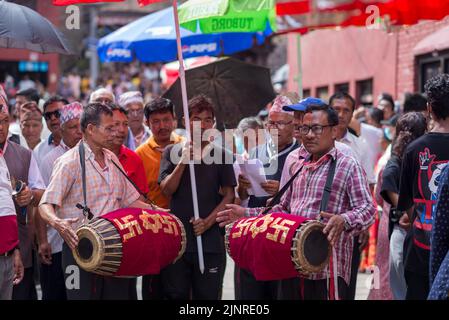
(366, 62)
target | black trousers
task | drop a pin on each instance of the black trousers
(26, 289)
(152, 287)
(52, 279)
(248, 288)
(184, 281)
(355, 263)
(82, 285)
(305, 289)
(417, 286)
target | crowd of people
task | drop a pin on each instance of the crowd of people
(386, 208)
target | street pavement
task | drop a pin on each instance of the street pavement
(228, 285)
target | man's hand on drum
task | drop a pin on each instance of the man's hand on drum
(271, 186)
(232, 213)
(334, 226)
(64, 228)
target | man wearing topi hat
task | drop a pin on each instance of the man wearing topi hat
(50, 242)
(132, 102)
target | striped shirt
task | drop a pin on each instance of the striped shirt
(350, 198)
(107, 188)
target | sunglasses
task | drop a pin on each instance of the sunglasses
(48, 115)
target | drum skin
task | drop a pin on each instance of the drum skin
(130, 242)
(278, 246)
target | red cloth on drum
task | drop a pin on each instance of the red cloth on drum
(151, 240)
(263, 245)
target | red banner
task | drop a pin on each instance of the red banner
(69, 2)
(147, 2)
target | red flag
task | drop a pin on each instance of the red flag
(69, 2)
(147, 2)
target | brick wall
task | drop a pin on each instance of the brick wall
(409, 37)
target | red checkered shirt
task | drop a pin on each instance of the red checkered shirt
(350, 197)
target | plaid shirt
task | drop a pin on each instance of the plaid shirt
(107, 189)
(350, 197)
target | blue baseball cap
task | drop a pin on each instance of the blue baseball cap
(304, 104)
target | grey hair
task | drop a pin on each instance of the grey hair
(249, 123)
(94, 95)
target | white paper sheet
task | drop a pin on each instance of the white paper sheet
(253, 170)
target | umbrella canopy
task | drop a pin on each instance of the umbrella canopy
(153, 39)
(237, 89)
(23, 28)
(227, 15)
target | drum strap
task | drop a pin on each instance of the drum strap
(85, 208)
(328, 186)
(132, 183)
(277, 197)
(333, 281)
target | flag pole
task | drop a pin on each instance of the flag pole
(182, 80)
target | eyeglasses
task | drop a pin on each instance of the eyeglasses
(316, 129)
(278, 124)
(48, 115)
(109, 130)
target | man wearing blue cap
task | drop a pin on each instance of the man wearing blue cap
(350, 208)
(299, 110)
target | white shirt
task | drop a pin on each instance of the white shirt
(35, 180)
(48, 160)
(6, 203)
(43, 149)
(362, 154)
(46, 166)
(372, 136)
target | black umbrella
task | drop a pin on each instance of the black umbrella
(237, 89)
(23, 28)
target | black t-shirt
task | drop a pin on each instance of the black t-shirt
(209, 179)
(422, 164)
(390, 178)
(273, 168)
(390, 183)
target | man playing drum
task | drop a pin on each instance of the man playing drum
(349, 210)
(107, 190)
